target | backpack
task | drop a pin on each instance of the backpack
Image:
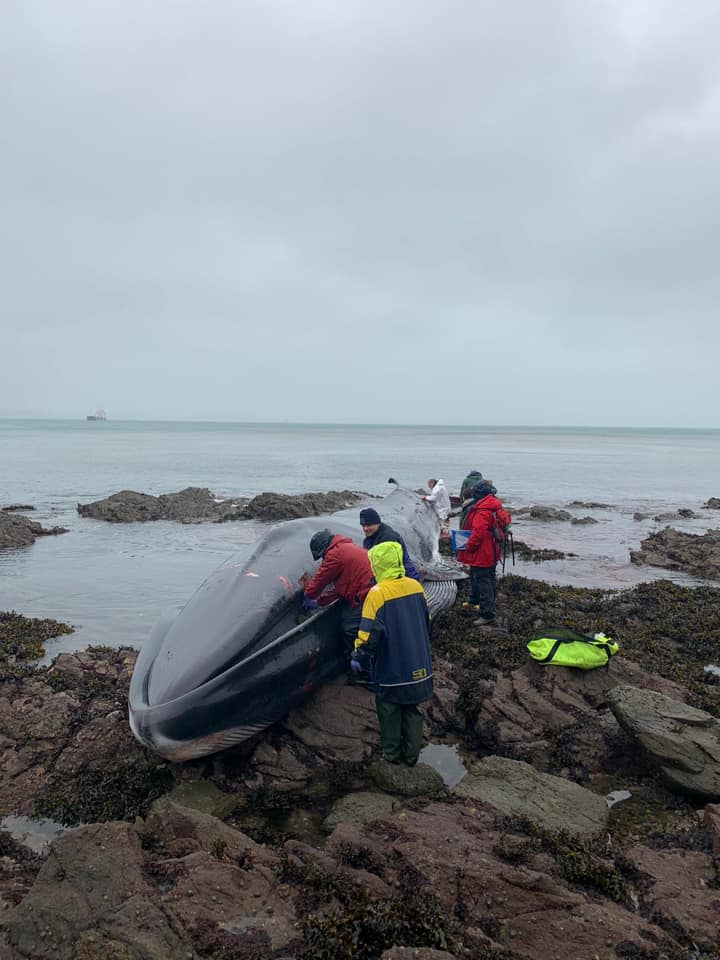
(568, 648)
(497, 530)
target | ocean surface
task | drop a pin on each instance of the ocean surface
(112, 581)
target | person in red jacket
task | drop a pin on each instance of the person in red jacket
(346, 567)
(487, 521)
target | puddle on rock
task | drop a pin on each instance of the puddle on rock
(274, 825)
(616, 796)
(446, 761)
(37, 835)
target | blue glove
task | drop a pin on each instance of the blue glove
(309, 604)
(356, 666)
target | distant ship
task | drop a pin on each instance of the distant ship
(98, 415)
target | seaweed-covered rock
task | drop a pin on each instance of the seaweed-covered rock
(684, 513)
(682, 741)
(274, 507)
(191, 505)
(68, 752)
(590, 505)
(18, 531)
(418, 781)
(557, 718)
(712, 504)
(698, 554)
(361, 806)
(547, 514)
(525, 552)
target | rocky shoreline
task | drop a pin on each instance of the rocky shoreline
(303, 846)
(199, 505)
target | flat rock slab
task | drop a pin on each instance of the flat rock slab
(517, 789)
(683, 742)
(363, 806)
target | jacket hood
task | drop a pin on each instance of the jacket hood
(338, 538)
(386, 561)
(489, 502)
(440, 483)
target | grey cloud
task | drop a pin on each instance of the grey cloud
(281, 210)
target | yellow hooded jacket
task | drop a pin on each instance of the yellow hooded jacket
(394, 630)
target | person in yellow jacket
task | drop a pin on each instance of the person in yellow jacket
(393, 643)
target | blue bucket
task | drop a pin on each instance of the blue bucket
(459, 539)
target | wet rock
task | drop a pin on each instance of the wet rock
(525, 552)
(127, 506)
(711, 819)
(638, 515)
(683, 742)
(682, 514)
(204, 796)
(21, 507)
(547, 514)
(22, 640)
(679, 890)
(334, 729)
(518, 789)
(712, 504)
(590, 505)
(360, 807)
(418, 781)
(523, 905)
(697, 554)
(555, 717)
(192, 505)
(18, 531)
(92, 881)
(416, 953)
(281, 506)
(67, 749)
(583, 521)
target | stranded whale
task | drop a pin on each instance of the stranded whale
(235, 659)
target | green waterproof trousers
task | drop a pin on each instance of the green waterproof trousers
(401, 731)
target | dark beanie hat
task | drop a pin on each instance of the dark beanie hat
(319, 542)
(369, 515)
(481, 490)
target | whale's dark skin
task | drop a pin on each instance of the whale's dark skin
(235, 659)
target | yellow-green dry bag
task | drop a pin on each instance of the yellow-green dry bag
(563, 647)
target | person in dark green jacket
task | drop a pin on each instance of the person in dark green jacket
(394, 643)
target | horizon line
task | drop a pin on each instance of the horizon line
(362, 423)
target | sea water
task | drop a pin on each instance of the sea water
(112, 581)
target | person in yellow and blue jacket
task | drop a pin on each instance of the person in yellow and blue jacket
(393, 642)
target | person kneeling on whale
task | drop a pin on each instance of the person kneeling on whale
(394, 640)
(376, 531)
(345, 565)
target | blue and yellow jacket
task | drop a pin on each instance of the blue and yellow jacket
(394, 634)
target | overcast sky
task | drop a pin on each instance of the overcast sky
(396, 211)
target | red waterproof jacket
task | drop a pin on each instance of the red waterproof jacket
(347, 568)
(482, 550)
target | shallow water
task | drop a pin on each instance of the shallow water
(113, 581)
(446, 761)
(37, 835)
